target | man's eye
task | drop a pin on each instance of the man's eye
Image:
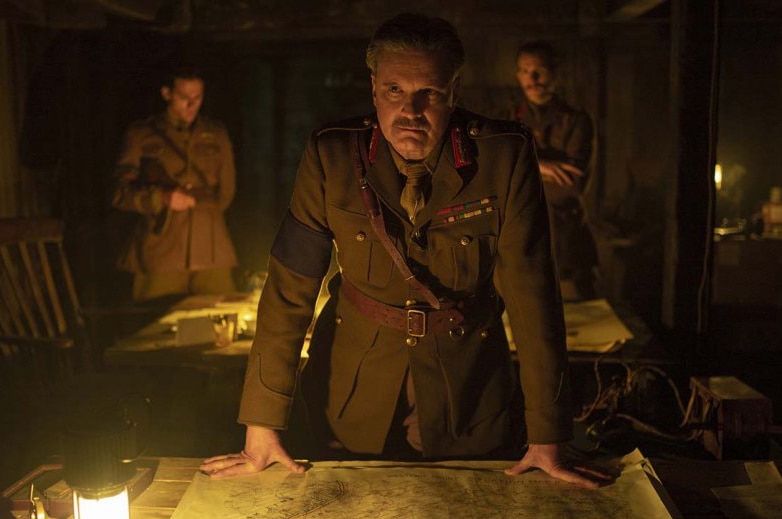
(432, 93)
(394, 90)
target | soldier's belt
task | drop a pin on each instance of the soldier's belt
(416, 321)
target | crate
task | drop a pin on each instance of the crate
(734, 419)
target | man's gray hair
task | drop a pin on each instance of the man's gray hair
(414, 32)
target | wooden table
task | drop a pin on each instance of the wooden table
(688, 482)
(155, 345)
(190, 388)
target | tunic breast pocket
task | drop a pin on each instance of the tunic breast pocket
(462, 253)
(206, 149)
(208, 157)
(151, 149)
(359, 253)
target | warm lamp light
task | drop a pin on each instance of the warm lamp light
(106, 503)
(98, 465)
(718, 176)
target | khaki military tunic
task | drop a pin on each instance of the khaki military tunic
(148, 166)
(563, 133)
(482, 238)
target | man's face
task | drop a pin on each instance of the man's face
(414, 97)
(184, 99)
(536, 78)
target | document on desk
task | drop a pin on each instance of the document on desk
(592, 327)
(381, 490)
(760, 500)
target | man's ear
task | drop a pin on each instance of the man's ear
(165, 91)
(374, 94)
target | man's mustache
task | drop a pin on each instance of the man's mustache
(411, 124)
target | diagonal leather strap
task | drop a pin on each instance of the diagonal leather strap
(375, 215)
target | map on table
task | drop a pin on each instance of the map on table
(382, 490)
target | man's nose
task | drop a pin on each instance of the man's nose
(414, 105)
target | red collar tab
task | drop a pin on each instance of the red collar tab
(523, 111)
(461, 155)
(373, 144)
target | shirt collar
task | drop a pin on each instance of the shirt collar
(430, 161)
(178, 125)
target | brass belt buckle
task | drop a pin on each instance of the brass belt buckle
(416, 323)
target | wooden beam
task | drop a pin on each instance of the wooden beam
(146, 10)
(633, 9)
(689, 209)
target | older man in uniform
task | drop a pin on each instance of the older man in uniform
(439, 220)
(177, 170)
(563, 136)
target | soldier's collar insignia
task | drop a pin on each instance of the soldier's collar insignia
(373, 144)
(522, 112)
(461, 154)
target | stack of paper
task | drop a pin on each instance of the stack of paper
(592, 326)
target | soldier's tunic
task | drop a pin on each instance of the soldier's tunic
(563, 133)
(192, 240)
(482, 238)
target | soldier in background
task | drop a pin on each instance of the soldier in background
(563, 136)
(177, 170)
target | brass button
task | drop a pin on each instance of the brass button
(474, 131)
(338, 319)
(367, 121)
(456, 333)
(410, 302)
(484, 334)
(465, 240)
(411, 341)
(361, 236)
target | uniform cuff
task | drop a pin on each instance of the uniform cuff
(259, 404)
(549, 425)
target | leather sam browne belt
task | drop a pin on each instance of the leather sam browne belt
(415, 321)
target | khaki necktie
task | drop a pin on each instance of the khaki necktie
(414, 192)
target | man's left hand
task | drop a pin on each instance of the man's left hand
(550, 458)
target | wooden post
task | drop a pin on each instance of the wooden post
(690, 192)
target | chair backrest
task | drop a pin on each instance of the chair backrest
(43, 340)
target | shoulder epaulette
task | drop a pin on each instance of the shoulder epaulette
(354, 123)
(142, 123)
(211, 124)
(482, 128)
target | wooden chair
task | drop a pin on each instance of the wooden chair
(43, 340)
(44, 347)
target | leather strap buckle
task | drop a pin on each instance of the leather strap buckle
(416, 323)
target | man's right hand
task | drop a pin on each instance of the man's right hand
(262, 447)
(178, 200)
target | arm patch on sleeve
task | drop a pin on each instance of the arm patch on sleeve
(303, 250)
